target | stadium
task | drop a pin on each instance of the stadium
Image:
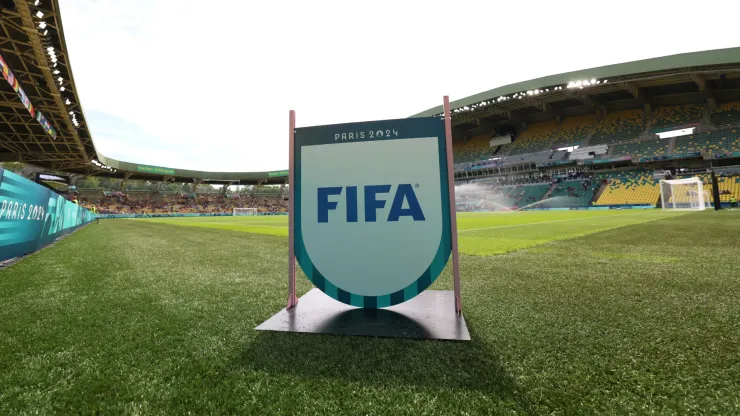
(598, 236)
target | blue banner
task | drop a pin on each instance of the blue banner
(32, 216)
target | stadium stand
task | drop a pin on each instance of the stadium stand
(618, 127)
(572, 193)
(647, 148)
(717, 141)
(726, 114)
(693, 143)
(728, 186)
(574, 130)
(535, 138)
(724, 140)
(473, 150)
(122, 203)
(629, 188)
(677, 115)
(523, 195)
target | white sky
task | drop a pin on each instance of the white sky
(207, 85)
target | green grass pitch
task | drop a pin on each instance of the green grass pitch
(571, 312)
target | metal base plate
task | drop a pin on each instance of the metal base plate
(430, 315)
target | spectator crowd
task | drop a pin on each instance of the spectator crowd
(122, 203)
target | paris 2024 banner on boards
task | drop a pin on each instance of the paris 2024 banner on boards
(32, 216)
(372, 214)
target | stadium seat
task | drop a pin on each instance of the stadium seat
(574, 130)
(523, 195)
(473, 150)
(618, 127)
(693, 143)
(535, 138)
(678, 115)
(726, 114)
(570, 194)
(629, 188)
(647, 148)
(717, 141)
(728, 186)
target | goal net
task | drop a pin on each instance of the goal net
(685, 194)
(241, 212)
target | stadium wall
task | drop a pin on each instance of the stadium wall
(32, 216)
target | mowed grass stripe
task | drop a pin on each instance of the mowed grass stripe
(652, 215)
(480, 234)
(503, 239)
(145, 318)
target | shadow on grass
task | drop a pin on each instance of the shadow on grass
(429, 364)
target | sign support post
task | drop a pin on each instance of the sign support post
(292, 299)
(453, 207)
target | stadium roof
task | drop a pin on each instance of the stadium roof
(42, 122)
(687, 78)
(38, 79)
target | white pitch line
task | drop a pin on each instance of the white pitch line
(244, 225)
(266, 226)
(541, 222)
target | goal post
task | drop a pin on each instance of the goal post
(244, 212)
(683, 194)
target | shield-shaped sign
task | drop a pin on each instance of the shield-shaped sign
(371, 208)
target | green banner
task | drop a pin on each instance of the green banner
(277, 174)
(154, 169)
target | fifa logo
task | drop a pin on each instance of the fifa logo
(403, 204)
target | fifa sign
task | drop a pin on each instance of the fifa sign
(372, 208)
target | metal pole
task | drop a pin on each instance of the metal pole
(292, 299)
(453, 208)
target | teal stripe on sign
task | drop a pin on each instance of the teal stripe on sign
(16, 190)
(331, 290)
(357, 300)
(16, 237)
(384, 301)
(20, 224)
